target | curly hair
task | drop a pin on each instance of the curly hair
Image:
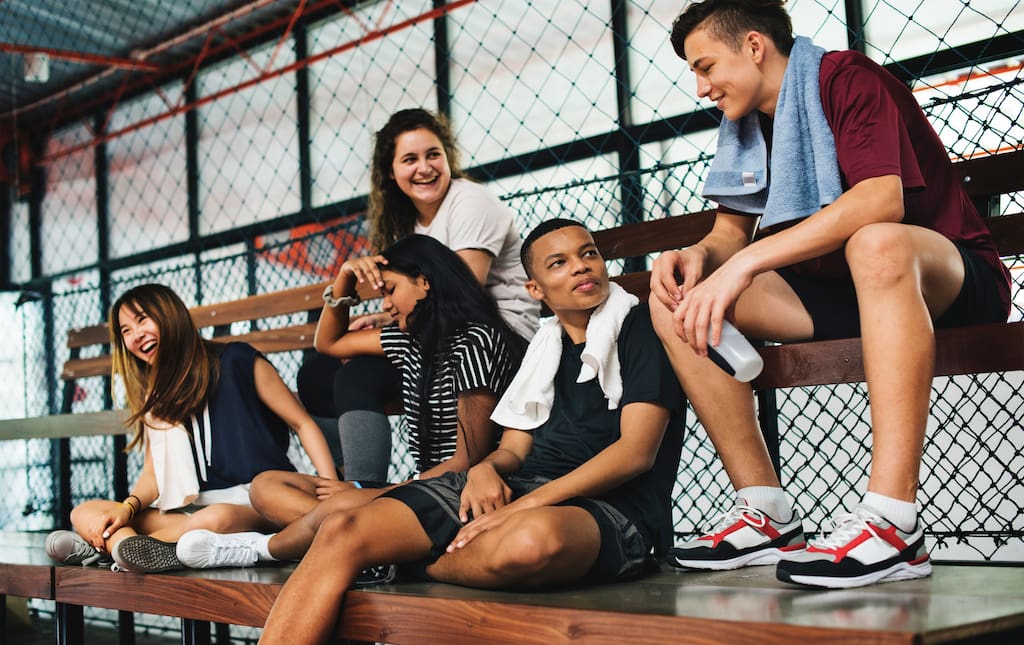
(392, 214)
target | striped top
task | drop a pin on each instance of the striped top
(476, 357)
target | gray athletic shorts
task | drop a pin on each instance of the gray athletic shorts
(436, 501)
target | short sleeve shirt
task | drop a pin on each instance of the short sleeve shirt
(471, 217)
(880, 129)
(581, 425)
(476, 357)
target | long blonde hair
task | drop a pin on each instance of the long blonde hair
(185, 368)
(392, 214)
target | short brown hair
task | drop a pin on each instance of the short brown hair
(730, 20)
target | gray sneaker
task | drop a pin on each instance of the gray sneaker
(202, 549)
(68, 547)
(145, 554)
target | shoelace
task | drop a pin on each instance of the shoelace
(85, 551)
(740, 512)
(845, 527)
(88, 560)
(232, 552)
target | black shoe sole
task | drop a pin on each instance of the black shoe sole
(144, 554)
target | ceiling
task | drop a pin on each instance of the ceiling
(103, 50)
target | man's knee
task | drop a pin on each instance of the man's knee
(528, 547)
(661, 319)
(880, 255)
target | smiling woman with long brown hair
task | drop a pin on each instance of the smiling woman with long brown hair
(209, 417)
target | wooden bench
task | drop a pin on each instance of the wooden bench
(682, 605)
(956, 604)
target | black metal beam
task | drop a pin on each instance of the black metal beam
(960, 57)
(8, 157)
(855, 25)
(192, 193)
(442, 62)
(302, 118)
(628, 148)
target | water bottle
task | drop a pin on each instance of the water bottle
(735, 354)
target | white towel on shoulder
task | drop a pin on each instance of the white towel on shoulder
(527, 401)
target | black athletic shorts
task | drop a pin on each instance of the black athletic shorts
(436, 501)
(832, 302)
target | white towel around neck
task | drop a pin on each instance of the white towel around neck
(527, 402)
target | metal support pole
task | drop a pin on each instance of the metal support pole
(628, 147)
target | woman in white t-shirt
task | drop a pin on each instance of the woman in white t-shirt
(417, 186)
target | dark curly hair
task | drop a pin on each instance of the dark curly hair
(392, 215)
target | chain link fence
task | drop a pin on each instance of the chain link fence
(562, 108)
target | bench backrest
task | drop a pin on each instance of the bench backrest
(984, 178)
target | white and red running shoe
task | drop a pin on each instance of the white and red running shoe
(741, 537)
(863, 549)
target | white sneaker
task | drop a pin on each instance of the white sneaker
(68, 547)
(202, 549)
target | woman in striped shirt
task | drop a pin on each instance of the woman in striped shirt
(454, 352)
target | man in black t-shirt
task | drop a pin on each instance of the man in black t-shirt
(583, 492)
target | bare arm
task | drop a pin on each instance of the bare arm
(476, 432)
(478, 261)
(642, 427)
(276, 396)
(333, 336)
(674, 273)
(114, 515)
(875, 200)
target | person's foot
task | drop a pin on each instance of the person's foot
(145, 554)
(68, 547)
(863, 549)
(202, 549)
(741, 537)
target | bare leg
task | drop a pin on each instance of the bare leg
(724, 405)
(307, 608)
(292, 542)
(534, 548)
(283, 497)
(905, 275)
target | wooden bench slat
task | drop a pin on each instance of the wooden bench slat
(268, 341)
(287, 301)
(653, 236)
(59, 426)
(996, 347)
(993, 174)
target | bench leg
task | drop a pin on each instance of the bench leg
(768, 418)
(70, 624)
(125, 628)
(195, 632)
(222, 633)
(3, 619)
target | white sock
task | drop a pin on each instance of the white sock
(263, 548)
(770, 499)
(902, 514)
